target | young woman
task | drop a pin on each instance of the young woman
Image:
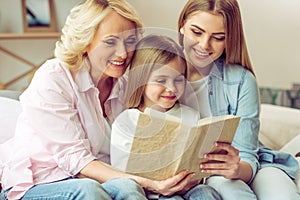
(159, 61)
(220, 71)
(61, 144)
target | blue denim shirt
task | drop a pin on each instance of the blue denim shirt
(232, 89)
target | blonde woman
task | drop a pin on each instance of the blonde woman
(62, 133)
(220, 71)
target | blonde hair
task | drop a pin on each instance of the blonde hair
(82, 24)
(152, 52)
(236, 49)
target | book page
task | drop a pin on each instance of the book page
(163, 147)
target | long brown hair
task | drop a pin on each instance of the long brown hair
(236, 49)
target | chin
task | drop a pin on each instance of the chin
(168, 107)
(115, 74)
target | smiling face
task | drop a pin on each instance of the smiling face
(112, 48)
(165, 85)
(204, 38)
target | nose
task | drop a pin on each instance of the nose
(204, 43)
(121, 51)
(170, 87)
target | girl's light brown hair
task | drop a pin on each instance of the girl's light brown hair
(236, 49)
(153, 51)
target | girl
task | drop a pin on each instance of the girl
(157, 81)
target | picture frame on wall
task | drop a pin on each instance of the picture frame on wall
(38, 16)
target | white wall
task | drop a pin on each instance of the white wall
(36, 51)
(271, 28)
(11, 14)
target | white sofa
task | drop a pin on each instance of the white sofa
(280, 130)
(280, 126)
(9, 110)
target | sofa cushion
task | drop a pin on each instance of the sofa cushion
(293, 146)
(279, 125)
(9, 112)
(13, 94)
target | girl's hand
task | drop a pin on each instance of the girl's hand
(178, 183)
(227, 165)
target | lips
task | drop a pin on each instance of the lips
(117, 63)
(201, 54)
(169, 97)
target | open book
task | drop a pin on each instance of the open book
(163, 145)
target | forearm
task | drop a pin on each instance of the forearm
(102, 172)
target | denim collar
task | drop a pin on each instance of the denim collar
(217, 69)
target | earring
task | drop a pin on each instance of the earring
(181, 30)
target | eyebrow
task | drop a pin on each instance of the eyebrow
(117, 37)
(111, 36)
(217, 33)
(166, 76)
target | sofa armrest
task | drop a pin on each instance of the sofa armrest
(279, 125)
(10, 109)
(12, 94)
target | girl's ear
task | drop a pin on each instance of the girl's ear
(181, 30)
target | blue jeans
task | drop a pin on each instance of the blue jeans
(273, 183)
(124, 188)
(84, 189)
(231, 189)
(199, 192)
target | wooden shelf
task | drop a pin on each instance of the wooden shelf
(38, 35)
(22, 36)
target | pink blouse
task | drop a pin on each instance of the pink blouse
(60, 130)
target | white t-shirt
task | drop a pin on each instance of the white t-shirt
(200, 89)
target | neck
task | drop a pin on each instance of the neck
(197, 73)
(98, 76)
(104, 86)
(142, 107)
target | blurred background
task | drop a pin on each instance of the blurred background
(271, 27)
